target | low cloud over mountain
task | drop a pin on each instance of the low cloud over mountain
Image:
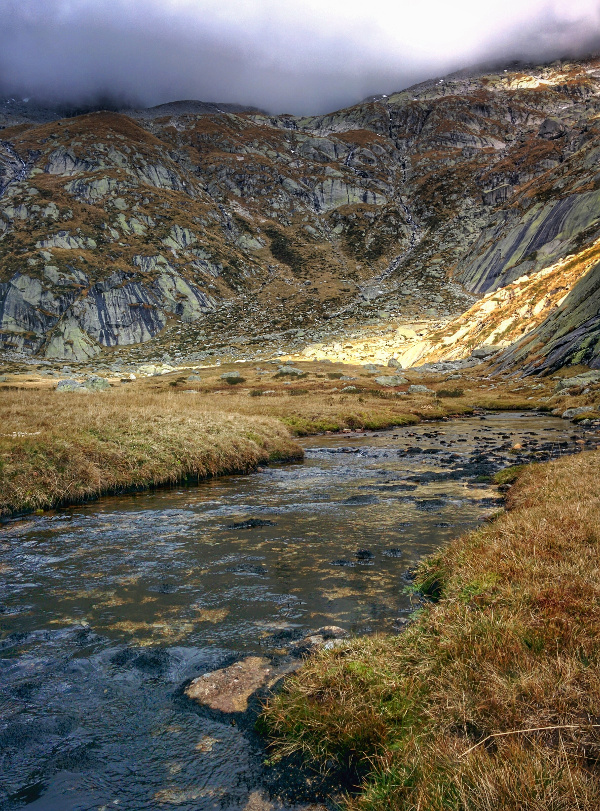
(304, 56)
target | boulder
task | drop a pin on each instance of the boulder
(576, 412)
(551, 128)
(290, 370)
(231, 376)
(418, 389)
(70, 385)
(391, 380)
(394, 363)
(579, 380)
(97, 384)
(228, 689)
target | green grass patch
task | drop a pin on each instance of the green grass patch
(508, 475)
(450, 392)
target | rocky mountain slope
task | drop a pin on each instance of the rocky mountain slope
(204, 232)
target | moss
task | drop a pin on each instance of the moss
(282, 250)
(509, 475)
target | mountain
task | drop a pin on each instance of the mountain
(205, 230)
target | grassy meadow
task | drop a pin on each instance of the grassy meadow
(64, 447)
(58, 448)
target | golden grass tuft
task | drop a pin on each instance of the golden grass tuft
(512, 644)
(60, 448)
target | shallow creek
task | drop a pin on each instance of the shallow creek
(107, 610)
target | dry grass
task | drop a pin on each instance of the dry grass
(59, 448)
(512, 644)
(64, 448)
(322, 405)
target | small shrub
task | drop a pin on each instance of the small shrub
(335, 375)
(233, 381)
(287, 374)
(297, 392)
(256, 393)
(450, 392)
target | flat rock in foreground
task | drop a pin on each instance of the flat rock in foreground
(229, 689)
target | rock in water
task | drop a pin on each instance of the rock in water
(251, 523)
(229, 688)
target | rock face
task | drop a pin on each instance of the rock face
(117, 228)
(569, 336)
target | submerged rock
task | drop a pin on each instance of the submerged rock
(326, 637)
(251, 523)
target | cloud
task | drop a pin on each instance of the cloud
(283, 55)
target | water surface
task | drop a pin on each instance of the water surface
(106, 610)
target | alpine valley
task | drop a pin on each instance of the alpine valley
(461, 213)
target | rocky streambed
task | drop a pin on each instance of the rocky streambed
(121, 619)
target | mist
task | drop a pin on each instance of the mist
(308, 56)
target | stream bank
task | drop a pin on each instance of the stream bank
(110, 609)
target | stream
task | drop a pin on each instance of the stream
(108, 609)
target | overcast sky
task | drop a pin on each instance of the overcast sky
(294, 56)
